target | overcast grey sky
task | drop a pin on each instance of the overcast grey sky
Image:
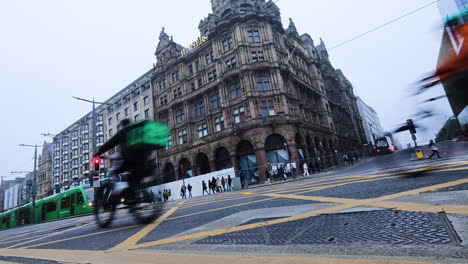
(52, 50)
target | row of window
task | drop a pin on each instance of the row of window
(266, 108)
(235, 91)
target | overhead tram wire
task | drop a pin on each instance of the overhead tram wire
(383, 25)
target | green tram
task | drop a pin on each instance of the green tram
(72, 202)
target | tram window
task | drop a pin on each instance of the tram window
(65, 202)
(52, 206)
(79, 198)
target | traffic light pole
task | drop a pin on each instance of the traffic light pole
(33, 209)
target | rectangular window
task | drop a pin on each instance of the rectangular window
(209, 58)
(146, 100)
(137, 117)
(110, 132)
(117, 116)
(85, 127)
(219, 123)
(162, 84)
(257, 56)
(110, 121)
(52, 206)
(227, 44)
(200, 108)
(126, 111)
(180, 115)
(65, 202)
(190, 69)
(169, 142)
(147, 114)
(215, 100)
(197, 66)
(200, 83)
(100, 128)
(263, 83)
(175, 76)
(267, 108)
(164, 119)
(75, 133)
(235, 90)
(177, 92)
(202, 130)
(239, 115)
(212, 76)
(163, 100)
(192, 85)
(182, 136)
(253, 36)
(231, 63)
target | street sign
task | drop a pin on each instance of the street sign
(96, 177)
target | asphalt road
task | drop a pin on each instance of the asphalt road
(386, 207)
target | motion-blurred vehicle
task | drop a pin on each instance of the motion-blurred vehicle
(384, 145)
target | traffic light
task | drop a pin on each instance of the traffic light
(411, 126)
(97, 163)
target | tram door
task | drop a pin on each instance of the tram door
(72, 204)
(43, 212)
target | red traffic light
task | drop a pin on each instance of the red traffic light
(97, 163)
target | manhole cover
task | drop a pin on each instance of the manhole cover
(375, 227)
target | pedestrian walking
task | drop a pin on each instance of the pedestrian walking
(306, 169)
(434, 148)
(294, 173)
(223, 184)
(268, 176)
(214, 184)
(183, 191)
(152, 199)
(281, 173)
(189, 188)
(204, 189)
(229, 182)
(165, 195)
(218, 185)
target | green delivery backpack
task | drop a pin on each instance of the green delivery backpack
(147, 135)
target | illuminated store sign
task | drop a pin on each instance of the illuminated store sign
(200, 41)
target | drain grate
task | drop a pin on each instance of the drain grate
(375, 227)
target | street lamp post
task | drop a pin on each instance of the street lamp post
(94, 117)
(33, 209)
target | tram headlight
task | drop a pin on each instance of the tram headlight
(90, 204)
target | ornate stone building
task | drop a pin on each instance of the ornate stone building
(45, 172)
(250, 94)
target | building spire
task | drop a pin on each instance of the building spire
(292, 28)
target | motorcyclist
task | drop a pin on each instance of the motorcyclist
(133, 160)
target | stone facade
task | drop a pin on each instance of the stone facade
(44, 172)
(250, 94)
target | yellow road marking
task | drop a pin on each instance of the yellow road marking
(421, 207)
(49, 235)
(221, 208)
(216, 232)
(71, 238)
(87, 256)
(40, 229)
(353, 203)
(142, 233)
